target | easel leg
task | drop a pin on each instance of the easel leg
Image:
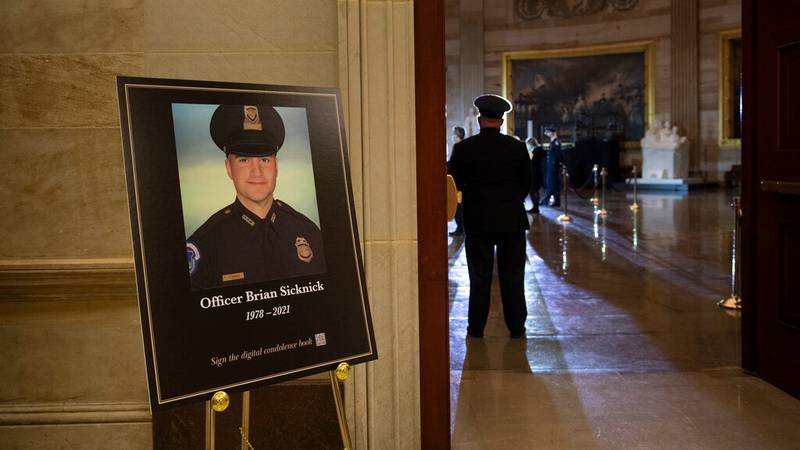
(210, 427)
(245, 428)
(337, 398)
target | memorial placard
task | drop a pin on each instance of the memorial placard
(248, 262)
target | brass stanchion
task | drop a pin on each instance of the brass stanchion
(219, 402)
(635, 205)
(603, 211)
(595, 199)
(340, 374)
(734, 301)
(564, 217)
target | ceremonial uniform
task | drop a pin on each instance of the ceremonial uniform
(257, 237)
(553, 174)
(235, 246)
(492, 170)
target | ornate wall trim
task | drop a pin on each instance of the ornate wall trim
(58, 280)
(75, 413)
(535, 9)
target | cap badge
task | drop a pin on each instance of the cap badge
(247, 219)
(304, 252)
(251, 119)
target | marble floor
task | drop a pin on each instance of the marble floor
(625, 346)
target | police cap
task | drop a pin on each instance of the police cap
(247, 130)
(492, 106)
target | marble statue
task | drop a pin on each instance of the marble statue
(665, 153)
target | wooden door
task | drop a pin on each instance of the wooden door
(771, 192)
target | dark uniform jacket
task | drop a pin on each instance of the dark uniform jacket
(493, 172)
(235, 246)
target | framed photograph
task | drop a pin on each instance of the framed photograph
(248, 263)
(601, 92)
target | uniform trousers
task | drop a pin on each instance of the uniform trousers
(511, 258)
(552, 182)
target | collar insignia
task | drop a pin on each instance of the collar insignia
(247, 219)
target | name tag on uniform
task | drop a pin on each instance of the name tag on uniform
(233, 276)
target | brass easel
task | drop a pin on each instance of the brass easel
(221, 400)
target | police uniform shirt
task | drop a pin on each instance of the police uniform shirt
(235, 246)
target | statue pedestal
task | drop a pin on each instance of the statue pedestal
(665, 162)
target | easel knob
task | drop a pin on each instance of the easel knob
(220, 401)
(342, 371)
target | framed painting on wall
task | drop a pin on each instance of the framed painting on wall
(589, 92)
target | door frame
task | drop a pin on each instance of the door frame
(434, 350)
(749, 191)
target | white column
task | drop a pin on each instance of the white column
(376, 61)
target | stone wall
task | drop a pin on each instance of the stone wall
(650, 20)
(75, 376)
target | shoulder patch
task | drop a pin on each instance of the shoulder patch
(192, 257)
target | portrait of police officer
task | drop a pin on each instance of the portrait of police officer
(492, 171)
(257, 237)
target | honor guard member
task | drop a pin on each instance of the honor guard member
(492, 170)
(257, 237)
(553, 161)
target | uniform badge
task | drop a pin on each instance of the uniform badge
(304, 252)
(193, 257)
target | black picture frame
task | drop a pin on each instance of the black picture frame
(321, 320)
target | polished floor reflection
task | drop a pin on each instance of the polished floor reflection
(625, 347)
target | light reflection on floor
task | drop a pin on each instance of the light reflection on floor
(625, 347)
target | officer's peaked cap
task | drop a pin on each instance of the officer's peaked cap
(247, 130)
(492, 106)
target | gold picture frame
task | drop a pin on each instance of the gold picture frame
(645, 47)
(724, 90)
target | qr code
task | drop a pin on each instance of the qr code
(320, 339)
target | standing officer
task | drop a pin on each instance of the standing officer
(537, 156)
(257, 237)
(492, 170)
(553, 168)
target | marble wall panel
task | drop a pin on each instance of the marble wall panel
(38, 91)
(118, 436)
(71, 26)
(392, 281)
(64, 194)
(213, 26)
(388, 158)
(303, 69)
(72, 352)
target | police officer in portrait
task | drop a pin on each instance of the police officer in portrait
(492, 170)
(257, 237)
